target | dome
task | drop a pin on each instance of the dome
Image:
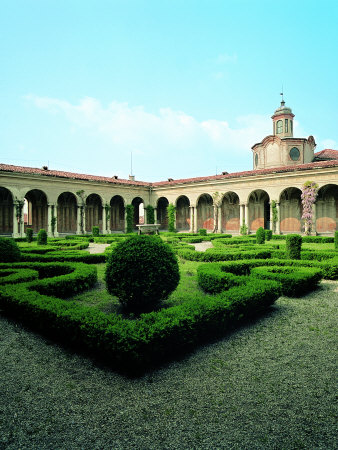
(282, 109)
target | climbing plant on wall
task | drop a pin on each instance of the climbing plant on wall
(150, 214)
(130, 218)
(274, 215)
(309, 195)
(82, 198)
(171, 217)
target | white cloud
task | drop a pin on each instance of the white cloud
(168, 143)
(328, 143)
(225, 58)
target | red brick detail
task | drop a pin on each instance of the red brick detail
(256, 223)
(209, 224)
(325, 225)
(231, 224)
(290, 224)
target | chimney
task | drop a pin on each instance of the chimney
(115, 177)
(225, 173)
(45, 167)
(170, 179)
(132, 177)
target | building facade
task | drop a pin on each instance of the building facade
(64, 202)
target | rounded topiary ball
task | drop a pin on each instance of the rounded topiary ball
(9, 250)
(142, 271)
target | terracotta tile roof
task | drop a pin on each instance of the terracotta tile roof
(251, 173)
(248, 173)
(327, 153)
(74, 176)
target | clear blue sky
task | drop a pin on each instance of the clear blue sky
(187, 86)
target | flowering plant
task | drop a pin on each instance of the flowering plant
(309, 194)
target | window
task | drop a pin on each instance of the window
(286, 126)
(256, 159)
(279, 126)
(291, 125)
(294, 154)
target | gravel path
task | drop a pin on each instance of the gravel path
(202, 246)
(270, 385)
(96, 248)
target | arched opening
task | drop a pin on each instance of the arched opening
(117, 214)
(138, 211)
(162, 213)
(93, 212)
(37, 210)
(259, 210)
(183, 213)
(290, 210)
(205, 212)
(6, 211)
(230, 212)
(327, 209)
(66, 213)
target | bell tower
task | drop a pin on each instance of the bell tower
(283, 121)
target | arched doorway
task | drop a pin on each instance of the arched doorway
(6, 211)
(230, 212)
(327, 209)
(162, 213)
(205, 212)
(259, 210)
(66, 213)
(138, 205)
(183, 213)
(291, 210)
(93, 212)
(117, 214)
(37, 210)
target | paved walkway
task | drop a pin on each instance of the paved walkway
(202, 246)
(96, 248)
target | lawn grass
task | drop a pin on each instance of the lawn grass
(99, 297)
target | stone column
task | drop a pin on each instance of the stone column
(278, 219)
(314, 219)
(55, 214)
(246, 215)
(271, 217)
(104, 221)
(15, 223)
(191, 214)
(78, 220)
(195, 219)
(155, 215)
(219, 225)
(241, 216)
(125, 220)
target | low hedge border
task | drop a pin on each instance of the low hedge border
(296, 281)
(134, 345)
(329, 269)
(59, 279)
(69, 255)
(13, 276)
(211, 255)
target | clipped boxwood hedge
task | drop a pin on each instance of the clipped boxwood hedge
(211, 255)
(135, 344)
(76, 256)
(296, 281)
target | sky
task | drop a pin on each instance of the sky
(161, 88)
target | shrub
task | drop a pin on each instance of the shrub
(296, 281)
(202, 231)
(9, 250)
(293, 246)
(213, 280)
(260, 235)
(29, 234)
(142, 271)
(171, 217)
(150, 214)
(336, 240)
(268, 235)
(96, 231)
(130, 218)
(42, 237)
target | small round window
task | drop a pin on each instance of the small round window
(294, 154)
(256, 159)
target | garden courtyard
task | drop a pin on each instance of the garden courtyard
(262, 380)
